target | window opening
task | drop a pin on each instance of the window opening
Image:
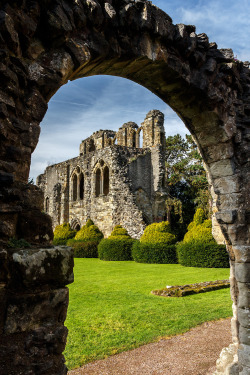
(106, 181)
(98, 183)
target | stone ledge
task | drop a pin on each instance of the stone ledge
(185, 290)
(34, 268)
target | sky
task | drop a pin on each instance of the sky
(106, 102)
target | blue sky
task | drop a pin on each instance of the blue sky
(105, 102)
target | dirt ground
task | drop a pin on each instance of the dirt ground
(193, 353)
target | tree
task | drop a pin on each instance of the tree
(186, 182)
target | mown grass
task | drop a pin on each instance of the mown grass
(111, 308)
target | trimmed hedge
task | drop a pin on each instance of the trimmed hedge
(63, 233)
(84, 249)
(154, 253)
(158, 233)
(200, 254)
(115, 248)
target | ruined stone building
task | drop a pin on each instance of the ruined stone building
(113, 180)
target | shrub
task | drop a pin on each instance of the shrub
(119, 231)
(89, 232)
(200, 254)
(118, 246)
(154, 253)
(62, 233)
(84, 249)
(199, 216)
(115, 248)
(199, 229)
(158, 233)
(201, 233)
(198, 248)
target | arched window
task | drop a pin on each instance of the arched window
(47, 204)
(81, 185)
(106, 181)
(74, 187)
(98, 182)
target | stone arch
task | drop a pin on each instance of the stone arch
(46, 44)
(75, 224)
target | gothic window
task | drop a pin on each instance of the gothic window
(106, 181)
(101, 175)
(98, 182)
(81, 185)
(47, 204)
(74, 187)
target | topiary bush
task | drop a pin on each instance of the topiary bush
(158, 233)
(86, 241)
(118, 246)
(156, 245)
(200, 254)
(62, 233)
(198, 248)
(143, 252)
(89, 232)
(84, 249)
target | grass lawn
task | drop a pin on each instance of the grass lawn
(111, 308)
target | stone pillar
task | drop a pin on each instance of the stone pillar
(34, 303)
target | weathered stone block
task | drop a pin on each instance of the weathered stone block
(242, 254)
(29, 311)
(244, 335)
(242, 272)
(244, 294)
(221, 168)
(227, 217)
(244, 316)
(244, 355)
(38, 267)
(227, 185)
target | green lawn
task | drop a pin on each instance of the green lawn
(111, 308)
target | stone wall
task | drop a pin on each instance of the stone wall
(34, 303)
(43, 44)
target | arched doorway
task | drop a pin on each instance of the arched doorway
(204, 85)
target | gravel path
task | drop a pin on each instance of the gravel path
(193, 353)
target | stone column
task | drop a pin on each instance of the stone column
(34, 303)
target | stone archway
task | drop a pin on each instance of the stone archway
(43, 45)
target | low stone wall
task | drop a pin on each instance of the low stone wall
(34, 303)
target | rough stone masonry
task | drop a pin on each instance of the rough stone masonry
(113, 181)
(43, 44)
